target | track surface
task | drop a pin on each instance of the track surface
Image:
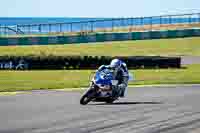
(186, 60)
(145, 110)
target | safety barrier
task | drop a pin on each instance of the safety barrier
(167, 22)
(99, 37)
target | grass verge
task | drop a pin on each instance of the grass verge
(31, 80)
(162, 47)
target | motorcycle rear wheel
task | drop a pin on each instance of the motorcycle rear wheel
(110, 101)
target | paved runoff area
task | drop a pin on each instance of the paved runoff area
(168, 109)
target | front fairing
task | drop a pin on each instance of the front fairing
(103, 78)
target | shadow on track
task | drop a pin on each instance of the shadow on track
(126, 103)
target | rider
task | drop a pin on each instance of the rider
(120, 73)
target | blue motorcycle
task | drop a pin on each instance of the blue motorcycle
(101, 88)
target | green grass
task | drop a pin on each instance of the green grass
(163, 47)
(30, 80)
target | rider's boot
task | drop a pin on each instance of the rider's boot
(115, 91)
(122, 92)
(122, 89)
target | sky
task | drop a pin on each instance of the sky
(96, 8)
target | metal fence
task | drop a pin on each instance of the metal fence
(165, 22)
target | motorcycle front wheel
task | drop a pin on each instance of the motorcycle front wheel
(85, 100)
(87, 97)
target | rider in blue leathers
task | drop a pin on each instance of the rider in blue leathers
(120, 73)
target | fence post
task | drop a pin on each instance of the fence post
(132, 21)
(60, 27)
(170, 19)
(17, 28)
(39, 28)
(5, 29)
(141, 23)
(151, 23)
(82, 25)
(49, 27)
(112, 25)
(92, 26)
(132, 24)
(29, 29)
(189, 19)
(160, 21)
(0, 29)
(199, 17)
(71, 27)
(121, 22)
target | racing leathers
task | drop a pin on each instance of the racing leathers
(121, 74)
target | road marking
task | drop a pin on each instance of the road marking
(69, 89)
(135, 86)
(79, 89)
(11, 93)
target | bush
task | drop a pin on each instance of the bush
(91, 62)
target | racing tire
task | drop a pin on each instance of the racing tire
(110, 101)
(85, 100)
(87, 97)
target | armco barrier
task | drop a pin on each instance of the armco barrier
(86, 62)
(99, 37)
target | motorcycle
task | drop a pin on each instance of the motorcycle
(101, 88)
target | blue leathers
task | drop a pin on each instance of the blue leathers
(121, 74)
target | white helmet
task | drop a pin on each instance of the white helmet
(115, 63)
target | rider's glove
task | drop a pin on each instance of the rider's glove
(121, 86)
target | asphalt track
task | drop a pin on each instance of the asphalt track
(144, 110)
(186, 60)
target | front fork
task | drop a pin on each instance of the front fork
(92, 90)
